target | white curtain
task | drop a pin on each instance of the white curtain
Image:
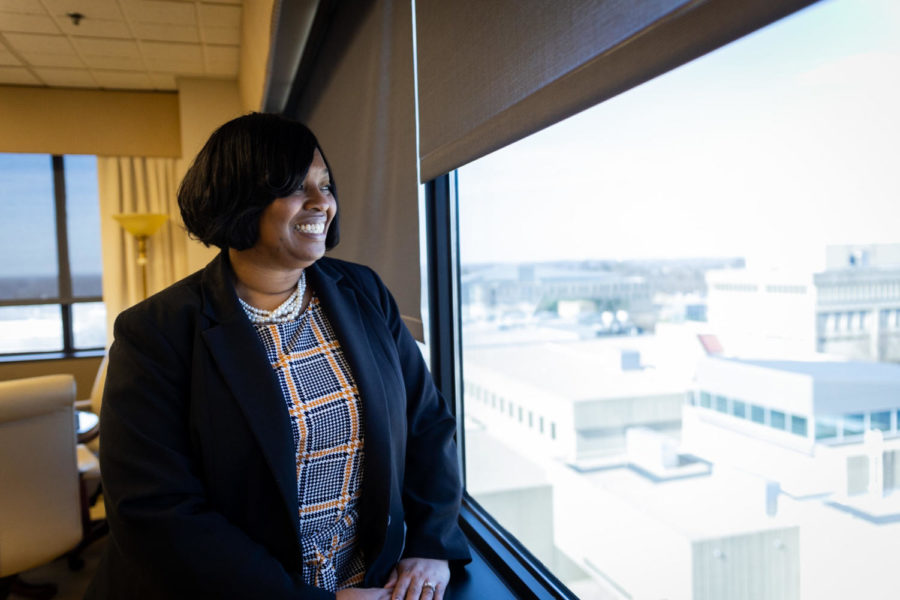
(138, 185)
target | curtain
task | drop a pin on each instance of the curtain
(360, 102)
(491, 73)
(138, 185)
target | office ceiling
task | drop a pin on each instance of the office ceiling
(118, 44)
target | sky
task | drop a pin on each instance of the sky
(769, 148)
(28, 223)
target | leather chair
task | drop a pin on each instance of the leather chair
(40, 495)
(92, 403)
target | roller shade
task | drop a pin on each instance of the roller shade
(494, 72)
(359, 100)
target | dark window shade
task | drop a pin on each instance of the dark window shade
(359, 100)
(491, 73)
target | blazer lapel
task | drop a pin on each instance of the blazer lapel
(239, 355)
(341, 304)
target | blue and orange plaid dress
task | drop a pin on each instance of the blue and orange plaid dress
(326, 420)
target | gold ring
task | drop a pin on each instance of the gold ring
(428, 584)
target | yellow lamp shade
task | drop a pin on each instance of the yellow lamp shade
(141, 224)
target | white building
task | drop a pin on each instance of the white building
(816, 427)
(852, 309)
(576, 399)
(774, 491)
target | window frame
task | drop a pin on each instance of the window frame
(65, 297)
(526, 576)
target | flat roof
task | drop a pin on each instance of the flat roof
(589, 369)
(831, 371)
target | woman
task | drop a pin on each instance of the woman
(269, 427)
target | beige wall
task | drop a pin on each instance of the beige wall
(256, 31)
(65, 121)
(204, 104)
(83, 369)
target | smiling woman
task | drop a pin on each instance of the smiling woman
(270, 429)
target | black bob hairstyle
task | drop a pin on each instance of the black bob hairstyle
(245, 165)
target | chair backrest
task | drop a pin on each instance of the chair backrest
(40, 514)
(99, 383)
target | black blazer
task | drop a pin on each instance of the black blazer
(197, 455)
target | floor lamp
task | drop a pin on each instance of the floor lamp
(141, 226)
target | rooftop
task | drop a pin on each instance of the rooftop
(829, 371)
(590, 369)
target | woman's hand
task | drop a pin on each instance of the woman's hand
(364, 594)
(419, 579)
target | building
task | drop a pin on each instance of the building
(815, 427)
(623, 382)
(499, 291)
(851, 309)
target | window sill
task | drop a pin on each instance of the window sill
(42, 356)
(500, 567)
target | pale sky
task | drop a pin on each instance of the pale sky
(769, 148)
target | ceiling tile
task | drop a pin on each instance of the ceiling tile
(42, 59)
(178, 67)
(166, 33)
(214, 15)
(91, 9)
(101, 47)
(161, 50)
(66, 77)
(222, 60)
(98, 28)
(26, 23)
(121, 80)
(222, 35)
(46, 44)
(114, 63)
(8, 58)
(163, 81)
(17, 76)
(44, 50)
(160, 11)
(22, 6)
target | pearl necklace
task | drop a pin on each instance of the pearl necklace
(288, 311)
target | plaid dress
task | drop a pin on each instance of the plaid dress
(326, 420)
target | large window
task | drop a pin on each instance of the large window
(50, 275)
(697, 233)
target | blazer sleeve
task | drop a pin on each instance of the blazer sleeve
(432, 488)
(161, 523)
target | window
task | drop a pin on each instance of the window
(50, 280)
(854, 424)
(683, 187)
(826, 428)
(777, 419)
(722, 404)
(881, 420)
(798, 425)
(757, 414)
